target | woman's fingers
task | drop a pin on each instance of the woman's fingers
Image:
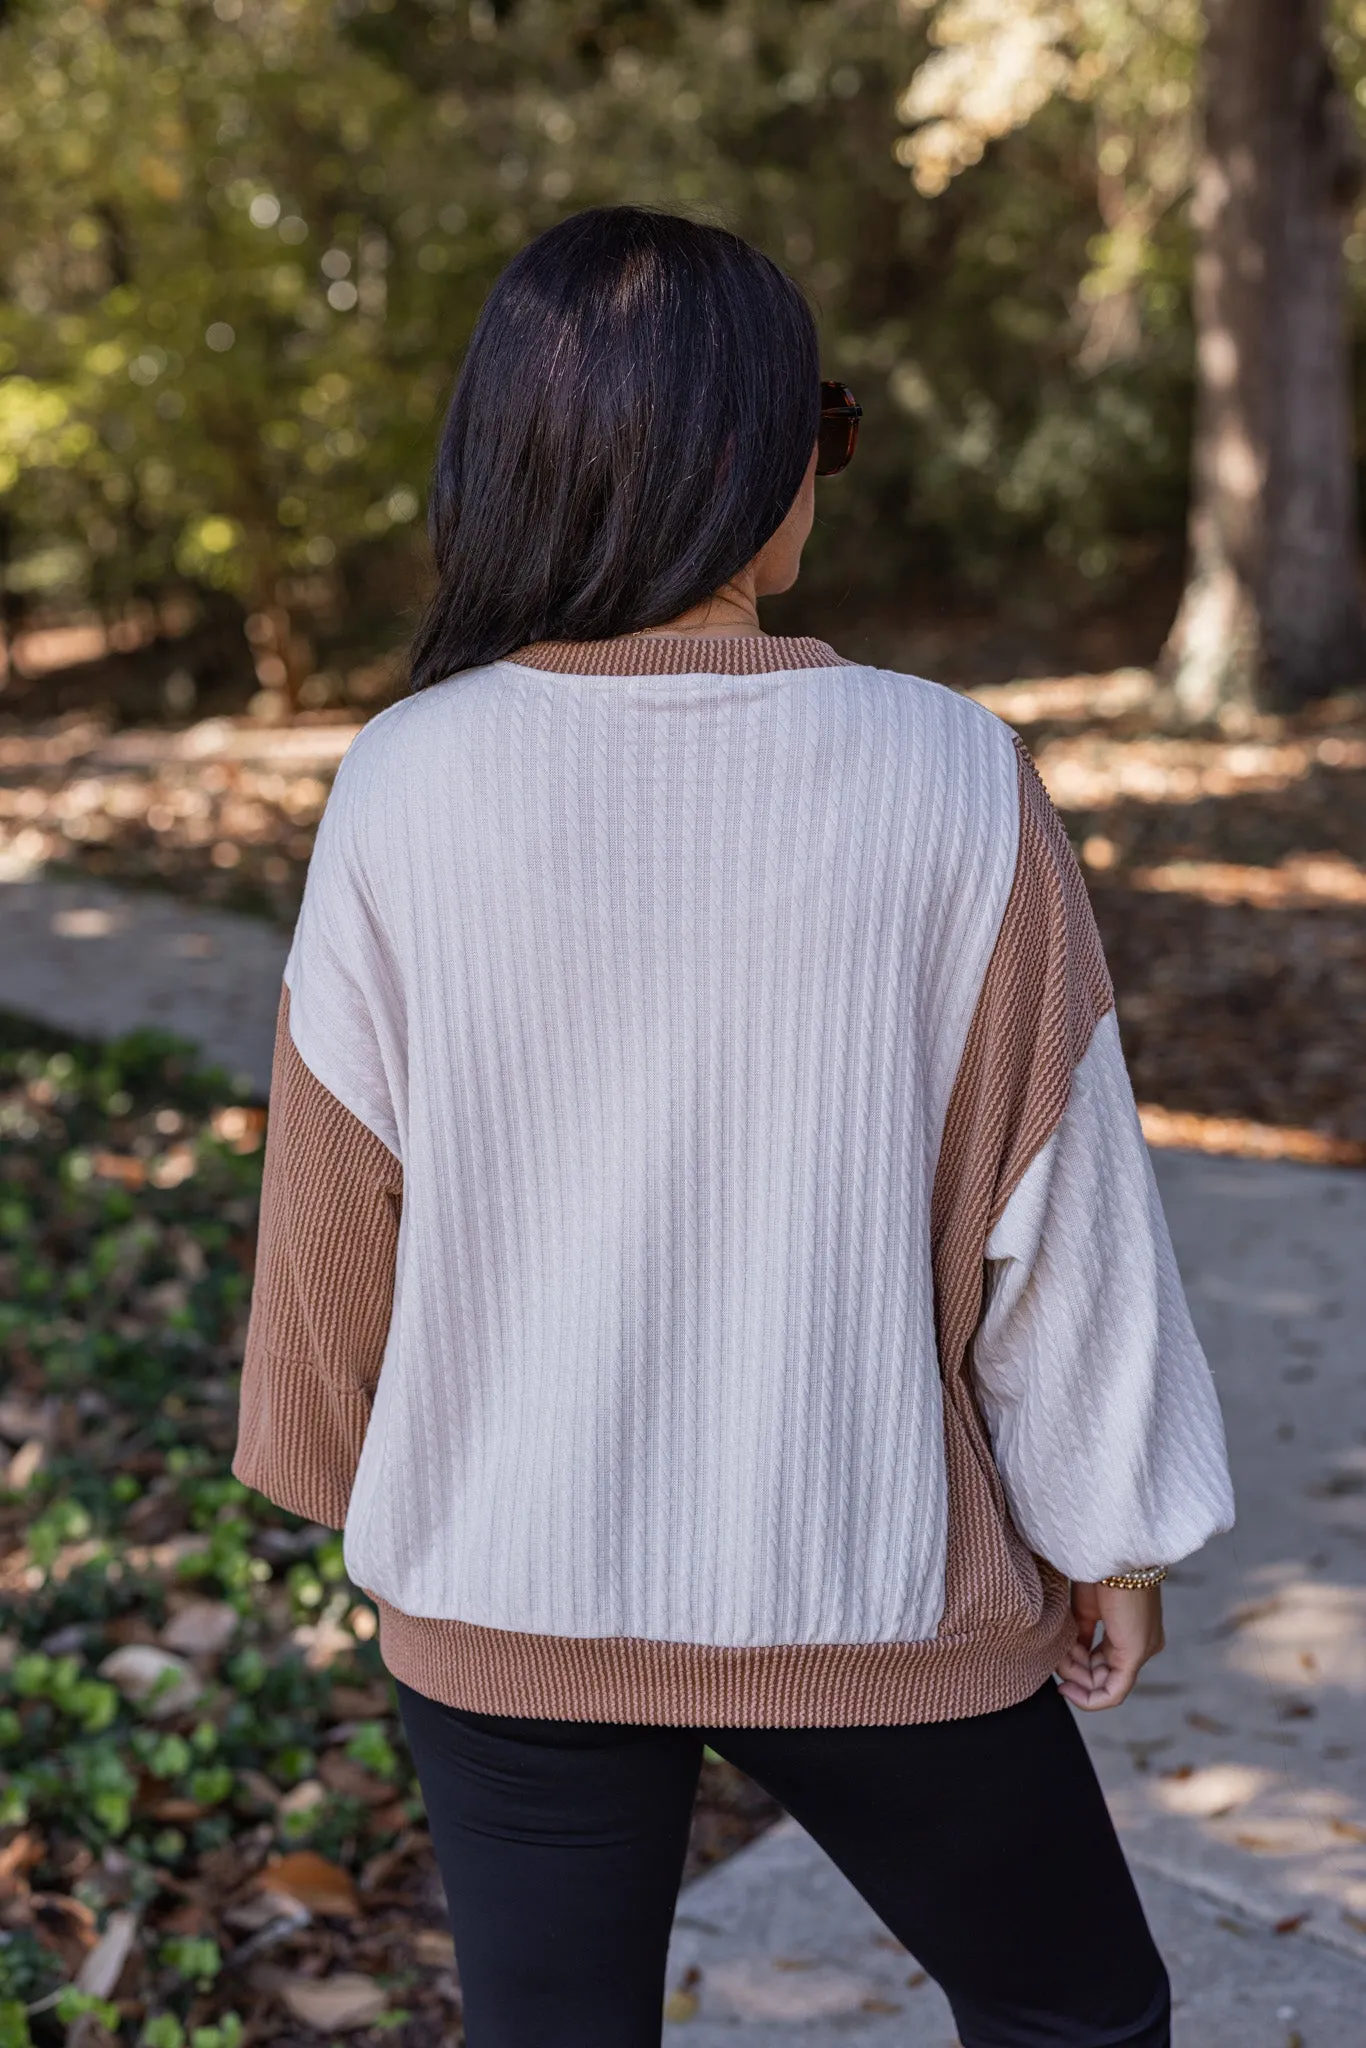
(1103, 1675)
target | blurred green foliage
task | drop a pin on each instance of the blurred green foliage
(245, 241)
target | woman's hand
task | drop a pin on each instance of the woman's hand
(1103, 1675)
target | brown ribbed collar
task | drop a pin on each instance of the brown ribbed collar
(670, 654)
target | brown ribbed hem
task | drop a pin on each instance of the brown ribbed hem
(693, 1685)
(680, 654)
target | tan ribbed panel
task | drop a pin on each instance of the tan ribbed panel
(1043, 995)
(666, 654)
(324, 1289)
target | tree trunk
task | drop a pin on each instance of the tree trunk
(1271, 614)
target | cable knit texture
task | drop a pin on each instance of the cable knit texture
(715, 998)
(1084, 1270)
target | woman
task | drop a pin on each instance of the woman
(709, 1261)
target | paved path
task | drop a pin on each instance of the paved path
(787, 1953)
(98, 960)
(1237, 1772)
(1240, 1764)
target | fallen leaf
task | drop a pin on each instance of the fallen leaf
(262, 1909)
(103, 1967)
(176, 1811)
(322, 1642)
(1246, 1840)
(385, 1863)
(321, 1886)
(202, 1628)
(191, 1917)
(916, 1979)
(361, 1702)
(302, 1798)
(680, 2006)
(20, 1419)
(334, 2004)
(1347, 1830)
(24, 1464)
(64, 1924)
(260, 1789)
(129, 1628)
(877, 2005)
(269, 1978)
(1356, 1921)
(155, 1679)
(389, 1819)
(18, 1855)
(1207, 1724)
(433, 1948)
(1291, 1923)
(343, 1774)
(124, 1167)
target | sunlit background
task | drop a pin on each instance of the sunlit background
(242, 244)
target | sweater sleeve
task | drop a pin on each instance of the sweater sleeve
(1101, 1408)
(326, 1251)
(1057, 1280)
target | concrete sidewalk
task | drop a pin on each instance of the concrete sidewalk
(98, 960)
(1237, 1772)
(1239, 1765)
(775, 1947)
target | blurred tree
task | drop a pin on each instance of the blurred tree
(215, 375)
(1272, 614)
(246, 239)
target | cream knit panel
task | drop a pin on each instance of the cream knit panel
(1102, 1412)
(657, 986)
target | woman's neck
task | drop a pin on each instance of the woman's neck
(730, 613)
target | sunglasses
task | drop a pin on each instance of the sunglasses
(838, 436)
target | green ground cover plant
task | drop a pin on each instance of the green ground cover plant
(209, 1827)
(136, 1777)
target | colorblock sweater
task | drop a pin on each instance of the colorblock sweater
(709, 1262)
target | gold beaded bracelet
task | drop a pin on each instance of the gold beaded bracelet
(1137, 1582)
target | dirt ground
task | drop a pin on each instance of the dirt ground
(1228, 874)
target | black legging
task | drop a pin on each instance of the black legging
(984, 1845)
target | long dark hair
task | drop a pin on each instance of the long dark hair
(633, 419)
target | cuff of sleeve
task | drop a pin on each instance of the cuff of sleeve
(299, 1439)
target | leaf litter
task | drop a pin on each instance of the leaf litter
(210, 1830)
